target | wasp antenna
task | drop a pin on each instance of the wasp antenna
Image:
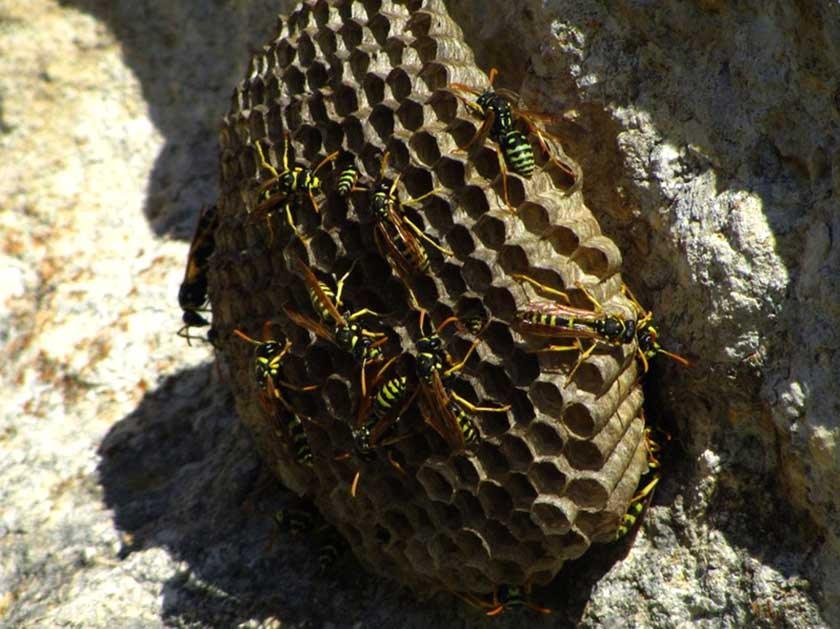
(245, 337)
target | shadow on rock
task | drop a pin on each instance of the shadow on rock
(180, 473)
(187, 55)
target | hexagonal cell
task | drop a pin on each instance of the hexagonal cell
(437, 486)
(521, 491)
(317, 76)
(548, 478)
(451, 172)
(495, 500)
(553, 515)
(495, 382)
(283, 54)
(476, 274)
(351, 36)
(373, 87)
(534, 217)
(410, 114)
(468, 506)
(306, 50)
(400, 83)
(491, 230)
(517, 452)
(345, 100)
(294, 80)
(546, 438)
(547, 396)
(424, 147)
(472, 544)
(382, 120)
(588, 493)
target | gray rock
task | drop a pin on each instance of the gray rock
(708, 136)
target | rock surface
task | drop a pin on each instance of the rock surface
(708, 136)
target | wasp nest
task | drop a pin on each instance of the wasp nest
(543, 479)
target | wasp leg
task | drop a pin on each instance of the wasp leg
(542, 287)
(426, 237)
(478, 409)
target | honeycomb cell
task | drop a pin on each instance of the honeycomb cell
(424, 148)
(450, 172)
(517, 452)
(588, 493)
(491, 231)
(306, 51)
(476, 274)
(548, 478)
(399, 83)
(553, 515)
(469, 507)
(284, 54)
(495, 500)
(472, 544)
(317, 76)
(294, 80)
(382, 120)
(450, 274)
(410, 114)
(351, 35)
(546, 438)
(469, 471)
(437, 486)
(579, 420)
(547, 396)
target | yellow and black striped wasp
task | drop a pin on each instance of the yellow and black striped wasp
(498, 114)
(268, 359)
(347, 178)
(505, 597)
(304, 519)
(443, 409)
(641, 501)
(344, 331)
(284, 186)
(555, 320)
(381, 403)
(396, 235)
(192, 294)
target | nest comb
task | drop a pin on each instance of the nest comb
(544, 480)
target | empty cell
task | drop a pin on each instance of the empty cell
(579, 419)
(522, 492)
(491, 231)
(524, 367)
(450, 275)
(468, 506)
(548, 478)
(293, 114)
(316, 76)
(588, 493)
(345, 100)
(284, 54)
(547, 397)
(513, 259)
(354, 134)
(562, 239)
(425, 148)
(592, 262)
(444, 108)
(437, 486)
(351, 35)
(501, 303)
(473, 200)
(547, 439)
(495, 500)
(553, 517)
(399, 524)
(486, 163)
(417, 181)
(515, 189)
(382, 120)
(419, 23)
(438, 213)
(590, 375)
(400, 83)
(310, 137)
(317, 109)
(451, 172)
(374, 89)
(476, 274)
(495, 381)
(534, 217)
(306, 50)
(395, 48)
(498, 535)
(492, 460)
(410, 114)
(460, 241)
(380, 27)
(294, 80)
(442, 548)
(498, 338)
(336, 392)
(517, 452)
(471, 544)
(426, 291)
(468, 472)
(333, 136)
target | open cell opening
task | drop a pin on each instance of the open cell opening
(400, 84)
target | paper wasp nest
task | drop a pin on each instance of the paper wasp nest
(544, 480)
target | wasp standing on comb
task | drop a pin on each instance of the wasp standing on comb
(499, 117)
(192, 295)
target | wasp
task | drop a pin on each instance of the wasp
(396, 235)
(284, 185)
(192, 295)
(344, 331)
(381, 404)
(498, 116)
(556, 320)
(505, 597)
(295, 521)
(640, 502)
(444, 410)
(348, 177)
